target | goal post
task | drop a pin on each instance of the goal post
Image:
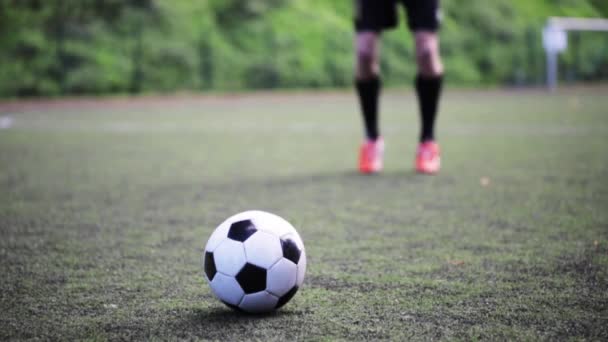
(555, 39)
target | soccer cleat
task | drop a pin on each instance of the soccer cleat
(371, 155)
(428, 160)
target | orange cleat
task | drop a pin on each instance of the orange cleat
(428, 160)
(371, 155)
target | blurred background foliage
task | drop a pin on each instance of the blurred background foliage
(57, 47)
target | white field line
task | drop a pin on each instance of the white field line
(119, 127)
(297, 127)
(6, 122)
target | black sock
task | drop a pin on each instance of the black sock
(369, 91)
(428, 90)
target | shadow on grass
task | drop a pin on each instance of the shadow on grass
(355, 176)
(225, 324)
(349, 178)
(341, 178)
(221, 323)
(226, 315)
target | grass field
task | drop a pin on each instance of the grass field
(105, 207)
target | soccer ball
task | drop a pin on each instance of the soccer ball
(254, 262)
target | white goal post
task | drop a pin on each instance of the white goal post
(555, 39)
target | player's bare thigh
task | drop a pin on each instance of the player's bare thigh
(428, 58)
(367, 45)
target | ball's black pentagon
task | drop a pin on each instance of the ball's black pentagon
(286, 297)
(241, 230)
(252, 278)
(291, 250)
(210, 269)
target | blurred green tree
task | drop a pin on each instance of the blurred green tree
(55, 47)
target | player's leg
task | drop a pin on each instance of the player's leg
(367, 83)
(367, 79)
(423, 20)
(428, 89)
(372, 17)
(428, 80)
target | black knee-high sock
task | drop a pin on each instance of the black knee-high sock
(429, 91)
(369, 91)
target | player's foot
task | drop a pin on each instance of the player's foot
(428, 160)
(371, 155)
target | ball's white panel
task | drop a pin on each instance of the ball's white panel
(219, 234)
(259, 302)
(281, 277)
(301, 269)
(285, 224)
(271, 223)
(263, 249)
(227, 289)
(229, 257)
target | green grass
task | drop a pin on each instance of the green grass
(105, 208)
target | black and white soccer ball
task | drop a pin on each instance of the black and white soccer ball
(255, 261)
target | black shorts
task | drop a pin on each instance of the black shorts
(378, 15)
